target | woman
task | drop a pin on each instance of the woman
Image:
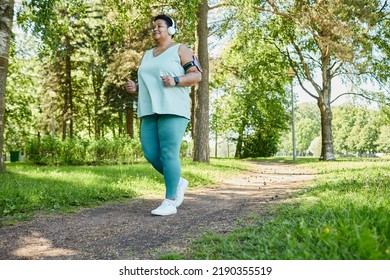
(164, 77)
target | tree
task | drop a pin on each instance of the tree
(383, 140)
(103, 42)
(218, 124)
(22, 95)
(57, 23)
(201, 129)
(254, 94)
(360, 130)
(364, 132)
(6, 17)
(201, 101)
(307, 130)
(79, 51)
(327, 39)
(307, 126)
(344, 121)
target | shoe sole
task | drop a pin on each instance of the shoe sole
(163, 214)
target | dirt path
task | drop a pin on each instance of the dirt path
(128, 231)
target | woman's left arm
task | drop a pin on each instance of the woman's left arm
(193, 74)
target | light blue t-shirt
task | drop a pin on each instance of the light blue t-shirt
(153, 96)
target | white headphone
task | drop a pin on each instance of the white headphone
(172, 29)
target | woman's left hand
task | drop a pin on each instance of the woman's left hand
(168, 81)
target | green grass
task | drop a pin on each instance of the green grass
(344, 215)
(28, 189)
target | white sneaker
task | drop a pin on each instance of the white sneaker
(181, 189)
(166, 208)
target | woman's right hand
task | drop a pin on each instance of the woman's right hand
(131, 86)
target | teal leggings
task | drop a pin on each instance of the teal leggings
(161, 137)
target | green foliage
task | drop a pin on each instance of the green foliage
(325, 39)
(43, 151)
(383, 141)
(307, 129)
(357, 130)
(261, 144)
(307, 126)
(21, 96)
(343, 216)
(251, 108)
(72, 152)
(87, 52)
(107, 39)
(79, 152)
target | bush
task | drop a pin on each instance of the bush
(53, 151)
(43, 151)
(260, 145)
(73, 152)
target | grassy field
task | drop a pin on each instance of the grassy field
(28, 189)
(345, 214)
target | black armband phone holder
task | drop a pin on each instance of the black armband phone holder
(192, 63)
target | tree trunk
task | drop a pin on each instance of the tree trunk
(240, 141)
(239, 147)
(6, 17)
(327, 152)
(130, 121)
(65, 114)
(120, 123)
(201, 109)
(89, 120)
(324, 101)
(96, 107)
(69, 88)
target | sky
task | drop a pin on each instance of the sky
(337, 88)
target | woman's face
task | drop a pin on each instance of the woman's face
(159, 29)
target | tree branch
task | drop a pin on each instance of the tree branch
(273, 12)
(306, 90)
(305, 67)
(335, 67)
(287, 53)
(384, 5)
(271, 3)
(223, 4)
(356, 94)
(346, 93)
(299, 79)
